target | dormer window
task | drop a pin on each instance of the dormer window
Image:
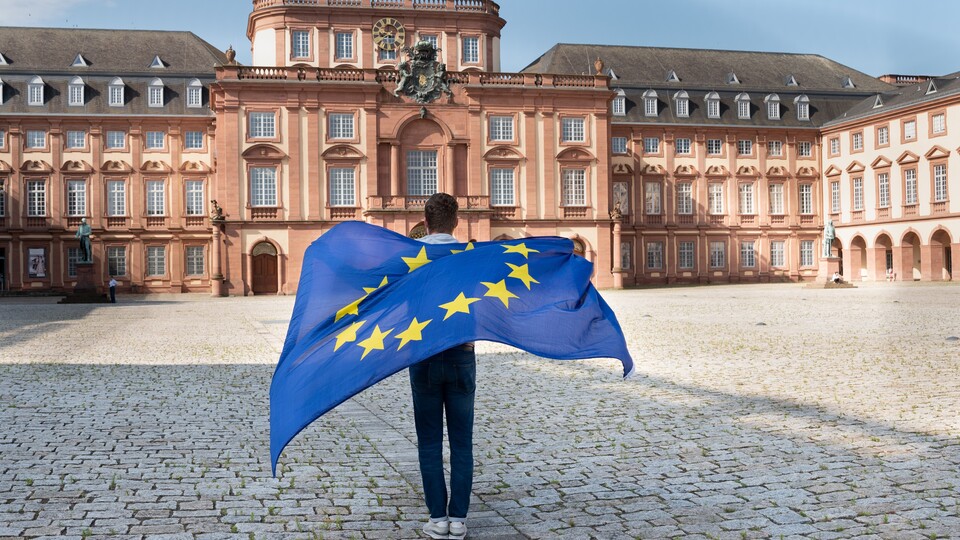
(743, 106)
(75, 92)
(713, 105)
(35, 91)
(80, 61)
(650, 107)
(195, 94)
(155, 93)
(803, 108)
(672, 76)
(3, 60)
(620, 104)
(931, 88)
(773, 106)
(791, 81)
(682, 100)
(878, 102)
(732, 78)
(848, 82)
(116, 92)
(1, 103)
(157, 63)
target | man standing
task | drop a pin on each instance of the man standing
(445, 383)
(113, 290)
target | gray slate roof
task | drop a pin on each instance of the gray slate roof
(906, 96)
(128, 54)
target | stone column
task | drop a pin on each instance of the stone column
(617, 270)
(394, 170)
(216, 280)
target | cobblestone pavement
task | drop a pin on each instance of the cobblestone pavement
(761, 411)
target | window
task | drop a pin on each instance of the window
(650, 107)
(777, 254)
(748, 258)
(430, 38)
(117, 260)
(715, 198)
(939, 123)
(3, 202)
(76, 139)
(195, 261)
(746, 199)
(156, 261)
(574, 187)
(743, 107)
(775, 148)
(572, 130)
(651, 145)
(803, 110)
(835, 146)
(36, 138)
(857, 141)
(910, 130)
(713, 105)
(155, 93)
(654, 255)
(3, 134)
(883, 135)
(620, 105)
(776, 199)
(805, 149)
(806, 253)
(619, 145)
(388, 55)
(883, 190)
(806, 198)
(195, 94)
(718, 255)
(910, 186)
(194, 197)
(683, 104)
(341, 126)
(35, 91)
(858, 193)
(76, 198)
(652, 206)
(193, 140)
(835, 197)
(685, 258)
(263, 125)
(156, 201)
(36, 198)
(73, 257)
(116, 140)
(939, 183)
(501, 128)
(342, 187)
(501, 187)
(471, 50)
(300, 45)
(155, 140)
(421, 172)
(344, 46)
(714, 147)
(685, 198)
(773, 107)
(116, 198)
(744, 147)
(116, 92)
(75, 91)
(263, 186)
(682, 146)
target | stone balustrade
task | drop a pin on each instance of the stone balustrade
(469, 6)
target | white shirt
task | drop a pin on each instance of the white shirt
(113, 282)
(439, 238)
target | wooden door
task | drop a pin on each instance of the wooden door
(265, 274)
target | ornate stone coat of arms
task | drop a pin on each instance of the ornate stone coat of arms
(421, 77)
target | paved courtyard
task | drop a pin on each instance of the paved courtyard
(762, 411)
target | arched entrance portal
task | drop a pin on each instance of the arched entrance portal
(941, 262)
(836, 247)
(910, 255)
(858, 259)
(265, 276)
(884, 259)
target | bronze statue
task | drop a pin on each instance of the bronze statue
(83, 233)
(829, 233)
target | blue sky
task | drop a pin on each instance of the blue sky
(874, 36)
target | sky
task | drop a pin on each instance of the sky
(874, 36)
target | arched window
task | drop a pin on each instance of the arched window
(75, 92)
(35, 91)
(682, 103)
(773, 106)
(743, 106)
(155, 93)
(195, 94)
(116, 92)
(620, 104)
(803, 107)
(650, 107)
(713, 105)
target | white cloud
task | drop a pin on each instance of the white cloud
(36, 12)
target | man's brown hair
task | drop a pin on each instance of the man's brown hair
(440, 213)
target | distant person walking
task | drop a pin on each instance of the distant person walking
(113, 291)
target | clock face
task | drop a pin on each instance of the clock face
(388, 34)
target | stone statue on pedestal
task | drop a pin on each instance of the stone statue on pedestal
(83, 233)
(829, 233)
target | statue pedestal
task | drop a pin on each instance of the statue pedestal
(85, 291)
(829, 265)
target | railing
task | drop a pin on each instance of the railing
(116, 222)
(910, 210)
(417, 202)
(473, 6)
(263, 213)
(939, 207)
(882, 213)
(73, 222)
(516, 79)
(36, 222)
(195, 221)
(778, 220)
(717, 219)
(686, 219)
(505, 213)
(807, 220)
(343, 213)
(574, 212)
(856, 215)
(156, 221)
(653, 220)
(748, 220)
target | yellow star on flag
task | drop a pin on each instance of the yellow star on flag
(351, 309)
(523, 274)
(375, 341)
(521, 249)
(413, 333)
(383, 283)
(468, 248)
(418, 261)
(349, 335)
(499, 290)
(460, 305)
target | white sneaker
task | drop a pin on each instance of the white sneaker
(437, 529)
(458, 529)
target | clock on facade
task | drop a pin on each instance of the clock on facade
(388, 34)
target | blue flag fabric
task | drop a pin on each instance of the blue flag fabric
(372, 302)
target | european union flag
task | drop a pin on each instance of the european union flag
(372, 302)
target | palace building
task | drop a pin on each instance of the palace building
(662, 165)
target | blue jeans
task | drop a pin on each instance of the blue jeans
(445, 382)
